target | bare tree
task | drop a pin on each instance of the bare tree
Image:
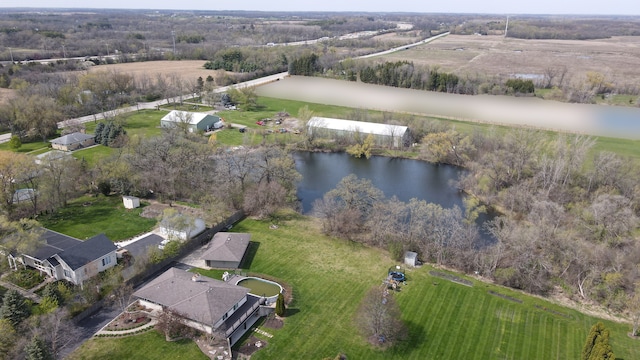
(56, 329)
(379, 318)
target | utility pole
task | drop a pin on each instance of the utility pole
(173, 35)
(506, 28)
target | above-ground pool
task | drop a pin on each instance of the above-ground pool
(261, 287)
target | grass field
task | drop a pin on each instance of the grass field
(88, 216)
(148, 346)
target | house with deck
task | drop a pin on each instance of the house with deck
(63, 257)
(209, 305)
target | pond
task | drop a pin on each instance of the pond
(404, 178)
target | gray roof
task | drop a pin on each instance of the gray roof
(54, 243)
(87, 251)
(74, 138)
(227, 246)
(205, 300)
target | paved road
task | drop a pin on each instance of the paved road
(5, 137)
(404, 47)
(155, 104)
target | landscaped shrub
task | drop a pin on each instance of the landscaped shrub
(26, 278)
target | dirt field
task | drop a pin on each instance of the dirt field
(529, 112)
(188, 70)
(617, 57)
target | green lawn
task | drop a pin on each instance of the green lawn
(88, 216)
(143, 123)
(446, 320)
(94, 154)
(35, 146)
(150, 345)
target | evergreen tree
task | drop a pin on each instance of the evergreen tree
(597, 346)
(14, 307)
(280, 307)
(37, 349)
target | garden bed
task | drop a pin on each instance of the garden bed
(25, 278)
(451, 277)
(506, 297)
(127, 321)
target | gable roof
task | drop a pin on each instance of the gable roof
(87, 251)
(179, 116)
(54, 243)
(73, 138)
(361, 126)
(205, 300)
(226, 246)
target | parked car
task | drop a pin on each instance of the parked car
(163, 243)
(261, 123)
(242, 130)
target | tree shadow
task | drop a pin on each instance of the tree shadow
(291, 312)
(249, 255)
(415, 335)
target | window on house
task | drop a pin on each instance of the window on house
(106, 261)
(225, 316)
(67, 273)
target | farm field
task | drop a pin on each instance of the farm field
(187, 70)
(446, 320)
(495, 55)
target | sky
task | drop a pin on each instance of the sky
(578, 7)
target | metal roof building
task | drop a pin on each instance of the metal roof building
(191, 120)
(385, 134)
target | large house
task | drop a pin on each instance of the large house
(73, 141)
(192, 121)
(384, 134)
(65, 258)
(209, 305)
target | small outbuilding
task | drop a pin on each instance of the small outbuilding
(383, 134)
(411, 258)
(131, 202)
(180, 226)
(192, 121)
(226, 250)
(73, 141)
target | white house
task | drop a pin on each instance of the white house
(191, 120)
(65, 258)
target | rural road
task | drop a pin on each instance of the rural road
(155, 104)
(5, 137)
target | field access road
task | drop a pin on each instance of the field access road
(404, 47)
(156, 104)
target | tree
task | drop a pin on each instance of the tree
(7, 338)
(597, 346)
(56, 330)
(362, 148)
(14, 307)
(15, 170)
(633, 304)
(15, 142)
(280, 306)
(19, 237)
(379, 318)
(37, 349)
(122, 296)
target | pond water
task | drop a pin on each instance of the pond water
(404, 178)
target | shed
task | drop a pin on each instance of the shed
(191, 120)
(73, 141)
(131, 202)
(183, 228)
(411, 258)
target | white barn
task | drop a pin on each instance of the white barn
(384, 134)
(191, 120)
